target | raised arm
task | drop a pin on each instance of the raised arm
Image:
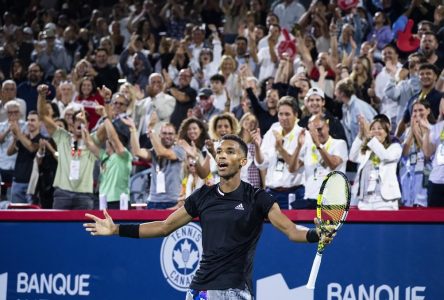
(50, 125)
(134, 140)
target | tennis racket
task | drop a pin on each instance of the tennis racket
(332, 207)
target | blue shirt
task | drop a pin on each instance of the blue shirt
(350, 113)
(28, 92)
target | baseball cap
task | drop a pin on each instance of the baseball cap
(205, 92)
(315, 91)
(48, 33)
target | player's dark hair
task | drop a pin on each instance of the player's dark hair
(237, 139)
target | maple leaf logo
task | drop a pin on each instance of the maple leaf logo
(185, 258)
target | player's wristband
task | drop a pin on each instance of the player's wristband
(129, 230)
(312, 236)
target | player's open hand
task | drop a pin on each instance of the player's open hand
(101, 226)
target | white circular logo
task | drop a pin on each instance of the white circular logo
(180, 256)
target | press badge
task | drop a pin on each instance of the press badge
(419, 167)
(160, 184)
(373, 179)
(440, 154)
(74, 172)
(413, 158)
(279, 165)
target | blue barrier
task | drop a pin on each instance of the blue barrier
(45, 259)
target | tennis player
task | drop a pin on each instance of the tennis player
(231, 215)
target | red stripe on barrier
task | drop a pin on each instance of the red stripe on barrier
(405, 215)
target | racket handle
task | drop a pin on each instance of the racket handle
(314, 272)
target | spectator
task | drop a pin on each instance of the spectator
(376, 186)
(221, 99)
(414, 164)
(166, 163)
(47, 159)
(352, 107)
(89, 98)
(433, 142)
(184, 94)
(73, 182)
(140, 68)
(289, 12)
(26, 146)
(387, 105)
(319, 154)
(7, 163)
(428, 74)
(315, 99)
(405, 85)
(28, 90)
(106, 74)
(250, 173)
(381, 34)
(274, 154)
(228, 69)
(157, 101)
(115, 161)
(9, 93)
(18, 71)
(268, 115)
(50, 55)
(66, 92)
(205, 108)
(429, 48)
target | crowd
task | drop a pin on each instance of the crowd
(93, 93)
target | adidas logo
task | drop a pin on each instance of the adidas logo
(239, 207)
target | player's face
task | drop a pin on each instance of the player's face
(229, 158)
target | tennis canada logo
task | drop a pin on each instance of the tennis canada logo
(180, 256)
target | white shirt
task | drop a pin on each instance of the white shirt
(267, 67)
(437, 173)
(388, 106)
(278, 177)
(314, 170)
(163, 104)
(289, 14)
(220, 100)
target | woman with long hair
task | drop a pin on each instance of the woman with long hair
(192, 137)
(376, 186)
(414, 164)
(361, 76)
(90, 99)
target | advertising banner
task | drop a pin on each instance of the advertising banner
(59, 260)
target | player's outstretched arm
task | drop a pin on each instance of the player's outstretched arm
(284, 224)
(146, 230)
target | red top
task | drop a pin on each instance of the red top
(89, 104)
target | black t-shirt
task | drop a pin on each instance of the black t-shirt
(107, 76)
(25, 159)
(231, 227)
(181, 109)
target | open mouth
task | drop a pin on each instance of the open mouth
(222, 166)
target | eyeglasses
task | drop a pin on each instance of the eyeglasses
(13, 112)
(167, 133)
(119, 103)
